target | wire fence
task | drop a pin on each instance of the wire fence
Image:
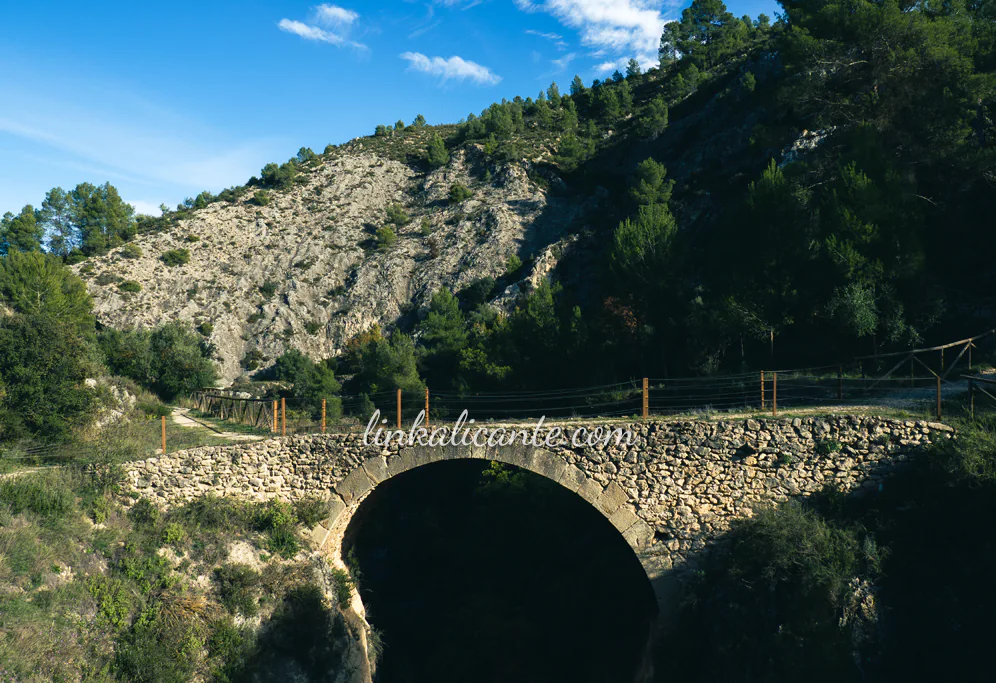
(923, 381)
(751, 393)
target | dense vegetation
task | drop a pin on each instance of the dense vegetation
(50, 347)
(893, 586)
(121, 600)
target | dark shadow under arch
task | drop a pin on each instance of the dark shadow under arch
(518, 577)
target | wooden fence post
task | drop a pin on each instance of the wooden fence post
(323, 416)
(971, 398)
(283, 417)
(970, 345)
(164, 435)
(274, 416)
(774, 393)
(399, 408)
(646, 399)
(762, 389)
(840, 382)
(427, 407)
(938, 397)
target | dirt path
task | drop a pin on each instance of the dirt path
(182, 417)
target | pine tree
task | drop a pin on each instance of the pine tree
(633, 68)
(577, 86)
(22, 232)
(437, 154)
(56, 217)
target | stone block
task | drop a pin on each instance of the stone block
(376, 468)
(623, 518)
(353, 487)
(590, 490)
(611, 498)
(572, 478)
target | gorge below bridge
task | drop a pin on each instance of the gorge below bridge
(673, 488)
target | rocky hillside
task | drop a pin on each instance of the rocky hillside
(307, 271)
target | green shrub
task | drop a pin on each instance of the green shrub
(191, 238)
(252, 359)
(112, 597)
(273, 515)
(311, 510)
(205, 328)
(343, 587)
(261, 198)
(174, 534)
(283, 541)
(385, 238)
(213, 514)
(164, 645)
(513, 265)
(459, 193)
(144, 513)
(175, 257)
(130, 286)
(268, 289)
(425, 228)
(397, 215)
(131, 251)
(232, 646)
(828, 446)
(312, 327)
(238, 588)
(107, 278)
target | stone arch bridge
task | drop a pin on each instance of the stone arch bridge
(668, 492)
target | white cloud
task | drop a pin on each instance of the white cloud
(454, 68)
(332, 15)
(564, 61)
(632, 27)
(555, 38)
(462, 4)
(615, 65)
(309, 32)
(548, 36)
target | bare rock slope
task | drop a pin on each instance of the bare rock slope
(305, 271)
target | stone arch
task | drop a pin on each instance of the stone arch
(610, 499)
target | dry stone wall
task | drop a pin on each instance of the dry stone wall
(677, 485)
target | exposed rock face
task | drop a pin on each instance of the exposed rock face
(677, 486)
(314, 246)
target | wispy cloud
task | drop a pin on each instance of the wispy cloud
(309, 32)
(630, 27)
(454, 68)
(564, 61)
(556, 38)
(462, 4)
(548, 36)
(331, 17)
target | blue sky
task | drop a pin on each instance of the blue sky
(165, 99)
